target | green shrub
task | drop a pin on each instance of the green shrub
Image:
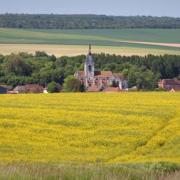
(53, 87)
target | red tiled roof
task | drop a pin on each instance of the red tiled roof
(102, 74)
(34, 88)
(170, 82)
(105, 74)
(118, 75)
(29, 88)
(20, 89)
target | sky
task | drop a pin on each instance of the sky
(107, 7)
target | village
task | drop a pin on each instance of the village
(93, 80)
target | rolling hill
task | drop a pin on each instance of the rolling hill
(125, 42)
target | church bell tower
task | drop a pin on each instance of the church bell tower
(89, 69)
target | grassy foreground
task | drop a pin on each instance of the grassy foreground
(93, 135)
(73, 41)
(88, 172)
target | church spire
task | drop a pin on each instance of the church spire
(89, 48)
(89, 68)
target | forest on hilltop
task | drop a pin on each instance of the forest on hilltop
(55, 21)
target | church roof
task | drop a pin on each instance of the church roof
(118, 75)
(103, 74)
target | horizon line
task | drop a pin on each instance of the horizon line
(84, 14)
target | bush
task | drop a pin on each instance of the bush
(71, 84)
(53, 87)
(41, 54)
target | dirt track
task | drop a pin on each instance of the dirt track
(154, 43)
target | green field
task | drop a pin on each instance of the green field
(103, 134)
(82, 37)
(102, 37)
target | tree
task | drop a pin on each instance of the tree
(142, 72)
(71, 84)
(146, 80)
(40, 54)
(53, 87)
(55, 21)
(16, 65)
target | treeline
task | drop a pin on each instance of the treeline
(143, 72)
(52, 21)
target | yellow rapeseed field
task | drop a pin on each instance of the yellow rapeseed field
(90, 128)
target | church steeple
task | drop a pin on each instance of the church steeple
(89, 49)
(89, 67)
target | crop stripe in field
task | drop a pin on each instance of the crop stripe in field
(154, 135)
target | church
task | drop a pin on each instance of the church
(95, 81)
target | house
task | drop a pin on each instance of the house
(95, 80)
(34, 88)
(172, 85)
(3, 89)
(18, 89)
(28, 88)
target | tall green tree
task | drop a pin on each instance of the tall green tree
(16, 65)
(71, 84)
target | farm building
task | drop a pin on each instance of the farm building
(19, 89)
(172, 85)
(29, 88)
(3, 90)
(99, 80)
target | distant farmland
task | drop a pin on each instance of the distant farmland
(73, 42)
